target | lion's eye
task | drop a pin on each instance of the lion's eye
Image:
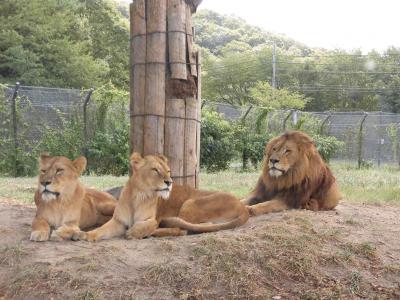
(59, 171)
(156, 170)
(288, 151)
(274, 149)
(42, 171)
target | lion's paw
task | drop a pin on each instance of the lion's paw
(55, 237)
(79, 236)
(252, 211)
(137, 232)
(91, 236)
(182, 232)
(39, 236)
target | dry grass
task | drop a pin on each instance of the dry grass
(278, 260)
(12, 255)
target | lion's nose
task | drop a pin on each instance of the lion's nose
(44, 183)
(274, 161)
(168, 182)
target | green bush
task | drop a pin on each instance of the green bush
(327, 145)
(108, 153)
(67, 141)
(217, 144)
(249, 144)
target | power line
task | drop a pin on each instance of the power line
(338, 72)
(330, 64)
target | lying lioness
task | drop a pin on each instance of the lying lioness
(149, 199)
(63, 203)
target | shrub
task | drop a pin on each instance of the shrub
(327, 145)
(108, 153)
(249, 144)
(65, 142)
(217, 149)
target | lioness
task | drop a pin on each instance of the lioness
(294, 176)
(63, 203)
(149, 198)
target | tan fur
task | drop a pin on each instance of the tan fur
(294, 176)
(68, 205)
(142, 207)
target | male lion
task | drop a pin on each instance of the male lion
(63, 203)
(149, 198)
(294, 176)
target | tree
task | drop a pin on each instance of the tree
(273, 99)
(65, 43)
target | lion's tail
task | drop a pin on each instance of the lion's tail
(198, 228)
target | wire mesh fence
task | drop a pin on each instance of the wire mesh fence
(368, 137)
(32, 118)
(28, 113)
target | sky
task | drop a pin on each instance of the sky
(344, 24)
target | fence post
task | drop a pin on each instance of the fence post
(398, 143)
(321, 128)
(360, 138)
(15, 128)
(244, 150)
(380, 140)
(85, 130)
(287, 118)
(246, 113)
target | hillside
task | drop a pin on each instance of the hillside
(221, 34)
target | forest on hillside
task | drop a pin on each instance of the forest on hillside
(82, 44)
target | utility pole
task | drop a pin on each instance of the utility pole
(274, 67)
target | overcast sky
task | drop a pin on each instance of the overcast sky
(346, 24)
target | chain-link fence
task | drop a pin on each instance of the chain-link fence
(28, 114)
(37, 119)
(368, 137)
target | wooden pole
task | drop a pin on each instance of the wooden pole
(165, 100)
(174, 133)
(190, 142)
(156, 26)
(177, 38)
(190, 41)
(138, 73)
(198, 125)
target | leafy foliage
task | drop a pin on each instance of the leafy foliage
(249, 144)
(237, 56)
(217, 148)
(108, 152)
(273, 99)
(327, 145)
(66, 43)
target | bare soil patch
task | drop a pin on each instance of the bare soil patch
(350, 253)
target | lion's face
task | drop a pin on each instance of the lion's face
(286, 152)
(154, 174)
(281, 156)
(58, 176)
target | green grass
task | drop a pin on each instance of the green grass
(374, 186)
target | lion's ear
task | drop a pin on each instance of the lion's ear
(163, 158)
(80, 164)
(136, 160)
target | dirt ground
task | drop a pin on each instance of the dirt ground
(350, 253)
